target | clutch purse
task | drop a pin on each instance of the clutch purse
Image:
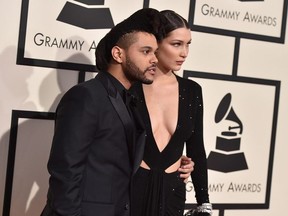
(202, 210)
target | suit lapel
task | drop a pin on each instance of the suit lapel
(126, 120)
(139, 143)
(121, 109)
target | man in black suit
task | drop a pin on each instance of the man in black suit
(99, 137)
(98, 141)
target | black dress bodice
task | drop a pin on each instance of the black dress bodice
(159, 187)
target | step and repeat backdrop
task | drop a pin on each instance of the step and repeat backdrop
(240, 113)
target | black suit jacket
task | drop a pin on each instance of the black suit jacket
(90, 164)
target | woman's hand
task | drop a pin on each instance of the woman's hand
(187, 166)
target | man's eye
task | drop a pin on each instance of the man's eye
(146, 52)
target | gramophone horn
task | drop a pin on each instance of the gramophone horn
(224, 108)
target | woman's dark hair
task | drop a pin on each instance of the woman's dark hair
(173, 21)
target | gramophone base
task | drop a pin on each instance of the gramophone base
(224, 144)
(91, 18)
(226, 163)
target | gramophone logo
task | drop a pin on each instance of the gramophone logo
(86, 17)
(227, 157)
(65, 33)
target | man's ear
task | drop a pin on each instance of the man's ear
(117, 54)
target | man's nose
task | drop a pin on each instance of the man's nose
(154, 59)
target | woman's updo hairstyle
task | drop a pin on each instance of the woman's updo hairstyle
(173, 21)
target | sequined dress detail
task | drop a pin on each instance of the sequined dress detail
(155, 192)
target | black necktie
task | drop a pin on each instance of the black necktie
(130, 101)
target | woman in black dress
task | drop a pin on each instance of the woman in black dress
(172, 111)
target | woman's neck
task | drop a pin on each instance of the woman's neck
(163, 75)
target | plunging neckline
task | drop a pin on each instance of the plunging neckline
(150, 124)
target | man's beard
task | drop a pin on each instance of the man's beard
(133, 73)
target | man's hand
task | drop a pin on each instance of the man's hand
(187, 166)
